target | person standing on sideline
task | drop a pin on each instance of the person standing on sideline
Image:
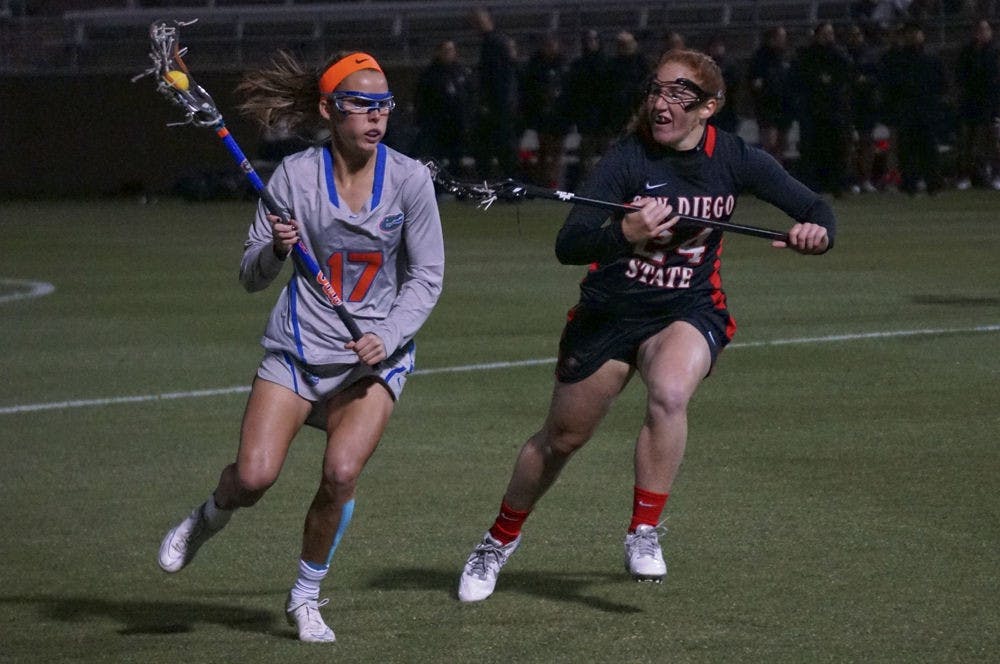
(370, 215)
(823, 73)
(627, 72)
(726, 118)
(977, 77)
(866, 107)
(915, 87)
(498, 96)
(545, 108)
(587, 103)
(443, 97)
(769, 74)
(652, 301)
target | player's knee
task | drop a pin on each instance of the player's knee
(562, 441)
(253, 483)
(341, 474)
(668, 399)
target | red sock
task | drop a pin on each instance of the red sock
(508, 524)
(646, 508)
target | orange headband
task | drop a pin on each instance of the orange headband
(343, 68)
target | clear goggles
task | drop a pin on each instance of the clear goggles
(362, 103)
(681, 91)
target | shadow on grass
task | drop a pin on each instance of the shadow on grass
(558, 586)
(957, 300)
(149, 618)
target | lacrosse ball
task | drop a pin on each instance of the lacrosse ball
(177, 79)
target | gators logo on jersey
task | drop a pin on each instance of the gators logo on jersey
(391, 222)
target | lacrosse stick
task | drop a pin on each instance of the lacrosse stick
(173, 81)
(487, 193)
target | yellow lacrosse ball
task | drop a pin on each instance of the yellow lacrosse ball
(177, 79)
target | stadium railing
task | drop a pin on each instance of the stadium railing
(232, 34)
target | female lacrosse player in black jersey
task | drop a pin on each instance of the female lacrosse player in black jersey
(369, 215)
(652, 302)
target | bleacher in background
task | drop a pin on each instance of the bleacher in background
(231, 35)
(56, 50)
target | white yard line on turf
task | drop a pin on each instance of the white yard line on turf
(25, 289)
(81, 403)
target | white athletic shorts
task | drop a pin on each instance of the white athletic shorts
(317, 383)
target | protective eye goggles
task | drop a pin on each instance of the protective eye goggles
(681, 91)
(362, 103)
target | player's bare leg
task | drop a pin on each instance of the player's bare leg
(672, 364)
(357, 417)
(575, 412)
(272, 417)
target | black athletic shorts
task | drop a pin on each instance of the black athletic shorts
(592, 337)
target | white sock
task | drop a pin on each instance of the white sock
(215, 517)
(307, 584)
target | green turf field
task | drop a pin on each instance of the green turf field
(838, 503)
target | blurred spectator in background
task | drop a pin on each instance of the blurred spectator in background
(861, 11)
(545, 108)
(13, 8)
(673, 40)
(887, 13)
(822, 73)
(915, 88)
(866, 99)
(770, 91)
(496, 136)
(926, 10)
(443, 99)
(889, 63)
(726, 118)
(587, 103)
(977, 77)
(628, 71)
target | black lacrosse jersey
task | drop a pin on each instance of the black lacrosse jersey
(679, 272)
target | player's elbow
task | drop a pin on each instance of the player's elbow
(567, 253)
(572, 256)
(251, 283)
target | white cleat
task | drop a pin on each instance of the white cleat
(643, 556)
(479, 577)
(183, 541)
(305, 617)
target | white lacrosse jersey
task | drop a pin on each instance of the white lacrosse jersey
(386, 261)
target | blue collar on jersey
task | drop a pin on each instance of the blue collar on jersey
(331, 186)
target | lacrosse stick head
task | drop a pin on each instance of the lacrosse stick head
(173, 80)
(483, 194)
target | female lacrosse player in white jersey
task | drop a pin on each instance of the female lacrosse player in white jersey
(369, 216)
